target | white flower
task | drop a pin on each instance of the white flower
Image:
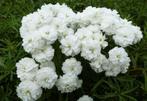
(63, 31)
(85, 98)
(90, 49)
(48, 33)
(46, 14)
(118, 62)
(64, 12)
(68, 83)
(28, 91)
(135, 30)
(26, 68)
(107, 19)
(127, 34)
(101, 39)
(33, 42)
(138, 34)
(92, 40)
(118, 55)
(45, 54)
(46, 77)
(88, 16)
(84, 33)
(124, 37)
(99, 64)
(72, 66)
(113, 70)
(70, 45)
(91, 32)
(30, 23)
(109, 23)
(97, 35)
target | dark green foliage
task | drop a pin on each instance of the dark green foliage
(131, 86)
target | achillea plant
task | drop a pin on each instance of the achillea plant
(88, 34)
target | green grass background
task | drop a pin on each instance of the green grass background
(131, 86)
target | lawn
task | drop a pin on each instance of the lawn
(131, 86)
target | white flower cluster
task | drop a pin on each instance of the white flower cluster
(83, 33)
(91, 30)
(70, 81)
(34, 79)
(41, 29)
(118, 62)
(85, 98)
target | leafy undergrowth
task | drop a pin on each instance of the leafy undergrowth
(131, 86)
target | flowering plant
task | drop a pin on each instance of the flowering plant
(89, 34)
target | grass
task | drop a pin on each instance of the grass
(131, 86)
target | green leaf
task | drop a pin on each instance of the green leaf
(2, 62)
(121, 98)
(130, 97)
(129, 91)
(125, 78)
(145, 80)
(110, 85)
(96, 85)
(3, 76)
(109, 95)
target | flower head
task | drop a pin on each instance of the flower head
(68, 83)
(28, 91)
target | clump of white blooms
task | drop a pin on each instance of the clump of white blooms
(72, 66)
(33, 78)
(84, 34)
(29, 91)
(91, 40)
(42, 28)
(85, 98)
(68, 83)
